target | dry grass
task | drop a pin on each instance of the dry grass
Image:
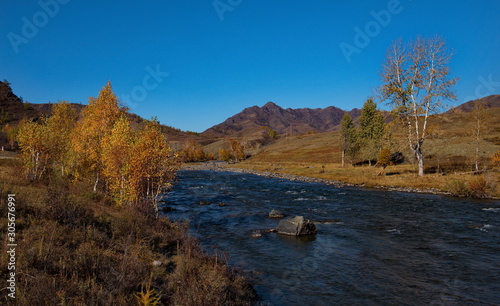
(449, 150)
(400, 176)
(76, 248)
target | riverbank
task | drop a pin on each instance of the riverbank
(78, 247)
(359, 230)
(396, 178)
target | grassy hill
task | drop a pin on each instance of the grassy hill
(451, 137)
(449, 152)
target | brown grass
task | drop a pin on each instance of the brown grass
(398, 176)
(449, 153)
(76, 248)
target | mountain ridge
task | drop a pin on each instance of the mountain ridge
(306, 120)
(282, 120)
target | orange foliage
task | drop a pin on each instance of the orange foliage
(495, 160)
(101, 148)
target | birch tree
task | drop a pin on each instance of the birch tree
(98, 119)
(33, 141)
(60, 126)
(152, 164)
(477, 129)
(416, 81)
(116, 152)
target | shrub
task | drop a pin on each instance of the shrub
(477, 186)
(495, 160)
(473, 187)
(457, 187)
(384, 158)
(224, 155)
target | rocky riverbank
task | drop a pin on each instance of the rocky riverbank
(224, 166)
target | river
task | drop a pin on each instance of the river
(372, 247)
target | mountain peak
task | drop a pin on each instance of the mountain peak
(281, 120)
(271, 104)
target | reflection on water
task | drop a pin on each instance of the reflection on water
(372, 247)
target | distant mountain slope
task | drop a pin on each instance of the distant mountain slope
(13, 110)
(303, 120)
(295, 121)
(489, 101)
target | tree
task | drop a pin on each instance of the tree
(384, 159)
(192, 152)
(348, 138)
(416, 81)
(45, 142)
(237, 149)
(98, 119)
(116, 159)
(495, 160)
(33, 140)
(60, 125)
(153, 164)
(224, 155)
(11, 131)
(478, 121)
(371, 129)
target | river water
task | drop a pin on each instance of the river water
(372, 247)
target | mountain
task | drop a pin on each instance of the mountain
(295, 121)
(304, 120)
(13, 109)
(489, 102)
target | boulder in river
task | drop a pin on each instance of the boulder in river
(276, 214)
(297, 226)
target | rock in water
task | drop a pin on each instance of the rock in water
(297, 226)
(276, 214)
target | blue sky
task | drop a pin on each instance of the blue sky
(195, 63)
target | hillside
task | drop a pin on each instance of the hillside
(13, 110)
(304, 120)
(489, 102)
(452, 139)
(283, 121)
(449, 155)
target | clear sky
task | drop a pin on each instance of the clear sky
(194, 63)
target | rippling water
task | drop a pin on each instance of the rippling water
(372, 247)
